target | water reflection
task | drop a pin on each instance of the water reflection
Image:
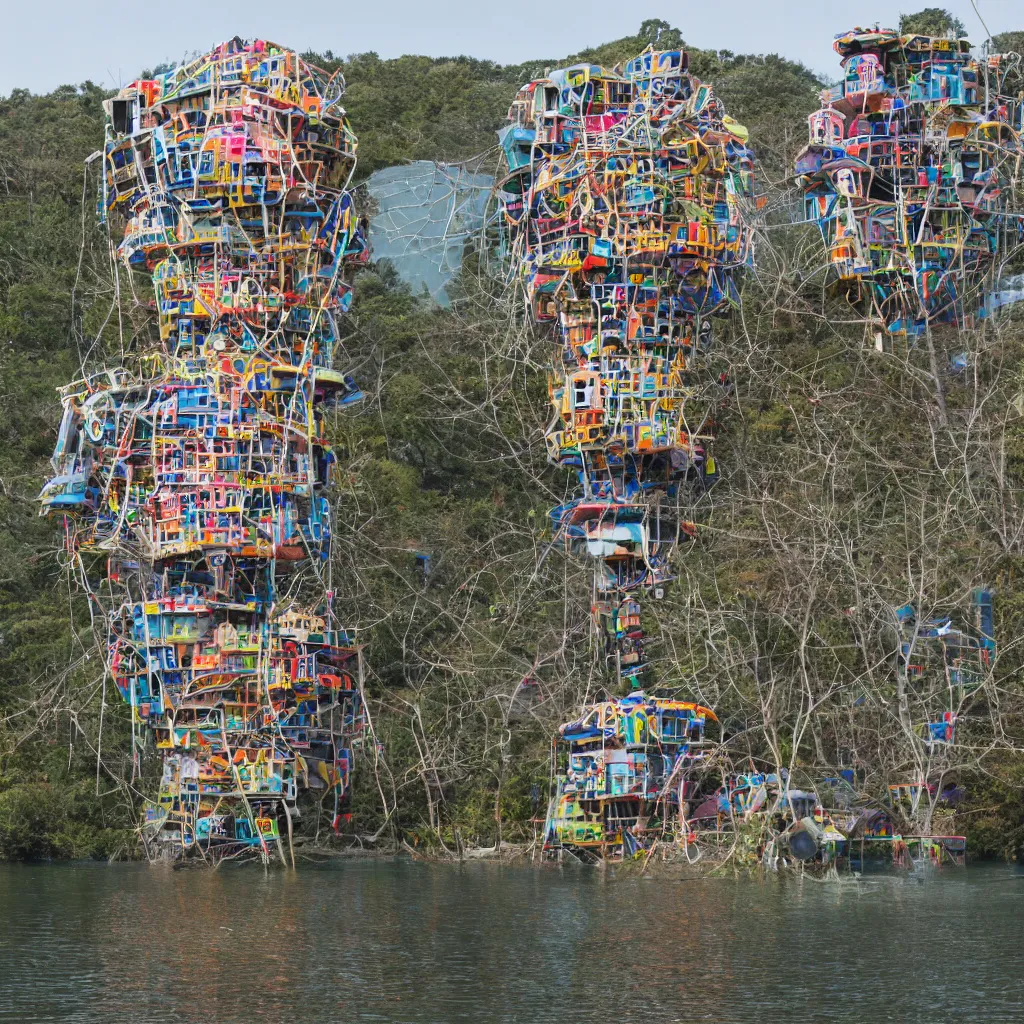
(403, 942)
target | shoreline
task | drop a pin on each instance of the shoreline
(524, 856)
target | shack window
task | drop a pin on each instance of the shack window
(583, 392)
(123, 116)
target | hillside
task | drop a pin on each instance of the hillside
(843, 495)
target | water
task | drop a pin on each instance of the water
(404, 942)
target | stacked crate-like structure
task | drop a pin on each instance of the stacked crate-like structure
(913, 172)
(198, 465)
(624, 203)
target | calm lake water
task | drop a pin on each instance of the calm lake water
(409, 942)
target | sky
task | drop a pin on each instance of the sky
(56, 42)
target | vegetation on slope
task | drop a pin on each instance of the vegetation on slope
(843, 494)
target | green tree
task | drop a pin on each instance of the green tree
(932, 21)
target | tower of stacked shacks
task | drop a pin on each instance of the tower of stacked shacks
(909, 174)
(623, 204)
(197, 467)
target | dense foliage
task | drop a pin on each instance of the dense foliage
(853, 480)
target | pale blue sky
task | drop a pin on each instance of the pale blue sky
(58, 41)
